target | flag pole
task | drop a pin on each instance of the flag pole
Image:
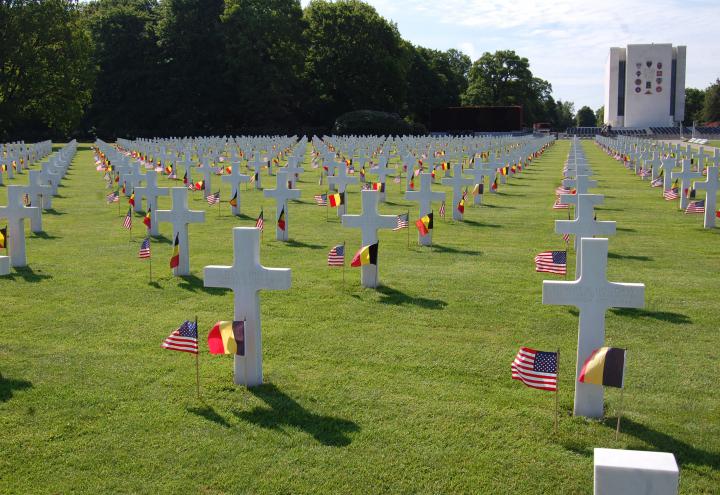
(197, 363)
(557, 386)
(343, 270)
(408, 230)
(150, 259)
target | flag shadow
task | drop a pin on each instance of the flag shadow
(481, 224)
(283, 410)
(670, 317)
(616, 256)
(388, 295)
(300, 244)
(28, 275)
(44, 235)
(161, 239)
(193, 283)
(209, 413)
(684, 452)
(10, 385)
(53, 211)
(447, 249)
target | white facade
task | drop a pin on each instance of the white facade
(645, 86)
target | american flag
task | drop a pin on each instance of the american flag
(671, 194)
(144, 249)
(127, 222)
(441, 211)
(657, 182)
(560, 206)
(336, 256)
(562, 190)
(321, 199)
(566, 238)
(551, 262)
(695, 207)
(113, 197)
(536, 369)
(403, 221)
(260, 222)
(396, 180)
(184, 339)
(214, 199)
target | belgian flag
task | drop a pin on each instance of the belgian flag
(3, 238)
(132, 198)
(227, 337)
(494, 185)
(281, 220)
(233, 201)
(147, 220)
(367, 255)
(379, 186)
(336, 199)
(605, 366)
(425, 224)
(461, 206)
(175, 259)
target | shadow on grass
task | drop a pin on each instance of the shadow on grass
(300, 244)
(481, 224)
(609, 209)
(388, 295)
(209, 413)
(10, 385)
(283, 410)
(684, 452)
(485, 205)
(675, 318)
(193, 283)
(625, 229)
(161, 239)
(155, 285)
(45, 235)
(452, 250)
(53, 211)
(616, 256)
(515, 184)
(28, 275)
(243, 216)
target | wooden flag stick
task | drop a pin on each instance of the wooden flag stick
(557, 387)
(197, 363)
(343, 270)
(150, 259)
(408, 230)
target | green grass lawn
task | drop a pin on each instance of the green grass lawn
(402, 389)
(714, 142)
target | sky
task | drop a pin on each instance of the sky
(566, 41)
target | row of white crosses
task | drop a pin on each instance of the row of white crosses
(40, 192)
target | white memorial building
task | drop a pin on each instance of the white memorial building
(645, 86)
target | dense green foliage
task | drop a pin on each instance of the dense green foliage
(711, 105)
(694, 100)
(364, 122)
(586, 117)
(405, 389)
(600, 116)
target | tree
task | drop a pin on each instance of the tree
(45, 70)
(711, 104)
(355, 60)
(564, 115)
(600, 116)
(694, 100)
(504, 78)
(585, 117)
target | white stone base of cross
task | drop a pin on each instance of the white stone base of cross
(4, 265)
(710, 186)
(246, 278)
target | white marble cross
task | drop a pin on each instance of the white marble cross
(710, 186)
(48, 176)
(686, 176)
(668, 164)
(40, 194)
(572, 199)
(457, 182)
(369, 222)
(207, 172)
(246, 277)
(180, 216)
(282, 194)
(151, 192)
(294, 171)
(382, 171)
(16, 213)
(425, 196)
(132, 179)
(235, 178)
(478, 174)
(592, 294)
(584, 224)
(256, 166)
(341, 180)
(581, 183)
(654, 164)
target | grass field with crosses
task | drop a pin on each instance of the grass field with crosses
(402, 389)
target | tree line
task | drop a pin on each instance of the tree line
(137, 68)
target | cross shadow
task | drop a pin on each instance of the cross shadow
(674, 318)
(9, 385)
(243, 216)
(616, 256)
(53, 211)
(161, 239)
(193, 283)
(209, 413)
(485, 205)
(45, 235)
(625, 229)
(452, 250)
(515, 184)
(684, 452)
(609, 209)
(388, 295)
(480, 224)
(283, 410)
(300, 244)
(28, 275)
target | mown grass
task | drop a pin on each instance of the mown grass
(405, 389)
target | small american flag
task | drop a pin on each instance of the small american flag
(144, 249)
(127, 222)
(336, 256)
(321, 199)
(113, 197)
(396, 180)
(657, 182)
(671, 194)
(562, 190)
(403, 221)
(184, 339)
(695, 207)
(441, 211)
(214, 199)
(560, 206)
(566, 238)
(260, 222)
(536, 369)
(551, 262)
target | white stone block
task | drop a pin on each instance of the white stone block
(635, 472)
